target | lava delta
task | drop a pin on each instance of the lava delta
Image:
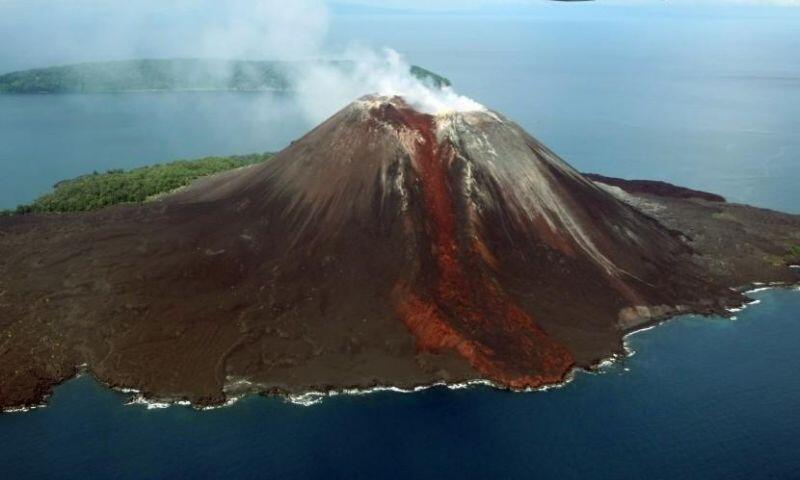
(385, 247)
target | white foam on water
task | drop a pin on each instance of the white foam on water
(759, 289)
(228, 402)
(148, 403)
(20, 409)
(746, 304)
(315, 397)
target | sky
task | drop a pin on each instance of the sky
(46, 32)
(401, 5)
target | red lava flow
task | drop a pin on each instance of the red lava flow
(464, 305)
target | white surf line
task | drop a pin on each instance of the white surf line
(81, 370)
(307, 399)
(138, 398)
(157, 403)
(762, 287)
(24, 408)
(602, 365)
(149, 404)
(316, 397)
(311, 398)
(228, 402)
(747, 304)
(626, 348)
(759, 289)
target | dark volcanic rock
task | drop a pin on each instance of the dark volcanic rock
(654, 187)
(736, 244)
(386, 246)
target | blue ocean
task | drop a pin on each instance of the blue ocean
(706, 98)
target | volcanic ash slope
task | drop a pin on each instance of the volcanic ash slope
(385, 247)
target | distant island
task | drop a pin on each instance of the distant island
(180, 74)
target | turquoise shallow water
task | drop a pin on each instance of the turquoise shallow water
(700, 398)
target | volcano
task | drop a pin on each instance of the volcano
(385, 247)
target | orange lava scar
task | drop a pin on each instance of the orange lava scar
(462, 307)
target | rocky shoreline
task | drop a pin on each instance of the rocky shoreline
(315, 397)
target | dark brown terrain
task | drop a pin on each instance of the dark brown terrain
(385, 247)
(654, 187)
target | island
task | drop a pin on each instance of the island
(177, 74)
(386, 248)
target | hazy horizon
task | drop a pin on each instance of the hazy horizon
(70, 32)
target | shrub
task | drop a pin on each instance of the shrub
(98, 190)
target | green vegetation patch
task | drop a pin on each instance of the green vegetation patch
(432, 78)
(98, 190)
(794, 252)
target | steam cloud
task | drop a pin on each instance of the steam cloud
(324, 88)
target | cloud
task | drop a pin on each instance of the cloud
(255, 29)
(40, 32)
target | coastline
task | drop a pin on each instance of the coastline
(754, 287)
(244, 387)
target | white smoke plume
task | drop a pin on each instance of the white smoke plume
(324, 88)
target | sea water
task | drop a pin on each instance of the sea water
(712, 103)
(704, 99)
(700, 398)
